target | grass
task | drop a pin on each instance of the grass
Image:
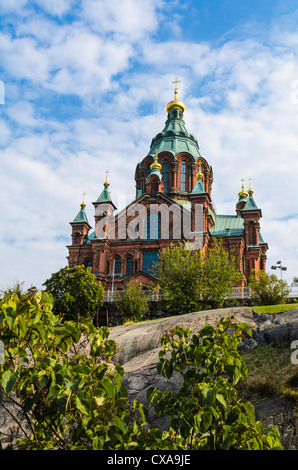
(270, 373)
(274, 309)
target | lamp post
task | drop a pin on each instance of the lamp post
(279, 266)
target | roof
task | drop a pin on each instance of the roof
(227, 225)
(199, 187)
(250, 204)
(104, 196)
(175, 138)
(81, 217)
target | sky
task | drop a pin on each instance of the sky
(83, 89)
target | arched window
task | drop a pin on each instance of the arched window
(117, 266)
(152, 227)
(165, 174)
(183, 175)
(128, 266)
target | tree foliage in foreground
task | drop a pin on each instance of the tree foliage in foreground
(267, 289)
(190, 280)
(76, 293)
(59, 385)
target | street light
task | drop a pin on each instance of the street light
(279, 266)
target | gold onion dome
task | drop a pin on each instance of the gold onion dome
(175, 103)
(242, 193)
(83, 204)
(155, 164)
(250, 190)
(106, 183)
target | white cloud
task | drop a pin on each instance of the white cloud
(128, 18)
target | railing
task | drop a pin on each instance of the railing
(242, 293)
(112, 296)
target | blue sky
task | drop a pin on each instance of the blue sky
(86, 84)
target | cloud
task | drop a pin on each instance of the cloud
(116, 73)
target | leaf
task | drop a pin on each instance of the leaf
(8, 381)
(83, 402)
(10, 315)
(250, 410)
(109, 387)
(119, 423)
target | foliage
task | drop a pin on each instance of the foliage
(76, 293)
(206, 412)
(179, 278)
(132, 303)
(67, 399)
(267, 289)
(219, 274)
(68, 395)
(190, 280)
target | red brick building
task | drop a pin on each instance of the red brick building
(173, 203)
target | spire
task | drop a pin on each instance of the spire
(250, 190)
(105, 194)
(175, 103)
(155, 164)
(81, 216)
(199, 187)
(250, 204)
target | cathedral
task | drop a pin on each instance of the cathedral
(172, 204)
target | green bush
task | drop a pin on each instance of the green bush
(132, 303)
(267, 289)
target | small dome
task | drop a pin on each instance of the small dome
(175, 104)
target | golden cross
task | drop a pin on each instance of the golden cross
(176, 81)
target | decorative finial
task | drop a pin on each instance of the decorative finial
(200, 174)
(242, 193)
(83, 204)
(176, 81)
(250, 190)
(106, 183)
(155, 164)
(175, 103)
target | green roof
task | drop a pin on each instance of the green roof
(250, 204)
(227, 225)
(175, 138)
(81, 217)
(104, 196)
(199, 187)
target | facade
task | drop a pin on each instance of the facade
(173, 203)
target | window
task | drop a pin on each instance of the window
(150, 261)
(128, 266)
(117, 266)
(165, 174)
(152, 227)
(183, 176)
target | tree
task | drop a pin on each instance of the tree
(267, 289)
(190, 280)
(132, 303)
(179, 277)
(62, 390)
(76, 292)
(219, 274)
